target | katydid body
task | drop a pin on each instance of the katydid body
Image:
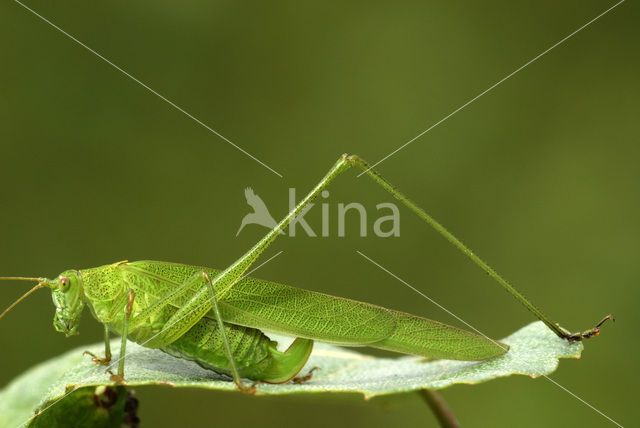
(215, 317)
(249, 306)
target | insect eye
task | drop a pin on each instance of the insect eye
(64, 283)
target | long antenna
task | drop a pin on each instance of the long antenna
(40, 282)
(21, 278)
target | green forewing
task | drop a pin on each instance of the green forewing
(296, 312)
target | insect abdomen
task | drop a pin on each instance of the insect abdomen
(255, 355)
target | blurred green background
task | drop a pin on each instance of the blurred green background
(539, 176)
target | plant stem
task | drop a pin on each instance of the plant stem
(439, 408)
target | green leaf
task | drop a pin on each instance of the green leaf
(534, 351)
(97, 407)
